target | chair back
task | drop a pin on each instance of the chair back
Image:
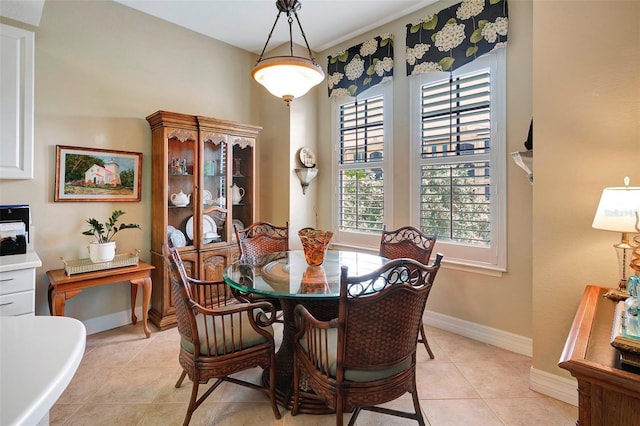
(380, 314)
(261, 238)
(407, 242)
(183, 303)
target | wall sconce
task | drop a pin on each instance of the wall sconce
(306, 176)
(524, 160)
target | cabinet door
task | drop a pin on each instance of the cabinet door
(16, 102)
(163, 306)
(182, 158)
(213, 195)
(242, 186)
(213, 263)
(190, 262)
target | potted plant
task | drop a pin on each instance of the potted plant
(104, 249)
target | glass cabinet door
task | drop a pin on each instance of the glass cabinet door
(214, 188)
(242, 191)
(182, 174)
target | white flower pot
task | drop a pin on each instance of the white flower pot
(102, 252)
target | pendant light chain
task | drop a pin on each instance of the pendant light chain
(269, 37)
(313, 58)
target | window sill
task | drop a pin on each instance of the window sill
(492, 271)
(354, 247)
(455, 265)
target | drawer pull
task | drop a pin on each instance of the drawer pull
(4, 280)
(5, 304)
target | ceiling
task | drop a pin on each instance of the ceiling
(246, 23)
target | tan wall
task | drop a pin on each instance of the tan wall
(101, 68)
(273, 159)
(503, 303)
(586, 103)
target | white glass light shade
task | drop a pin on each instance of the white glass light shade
(616, 210)
(306, 176)
(287, 77)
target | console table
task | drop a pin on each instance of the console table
(63, 287)
(607, 394)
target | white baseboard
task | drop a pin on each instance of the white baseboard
(557, 387)
(113, 320)
(493, 336)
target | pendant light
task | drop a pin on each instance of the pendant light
(288, 77)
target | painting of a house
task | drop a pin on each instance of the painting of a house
(107, 175)
(92, 174)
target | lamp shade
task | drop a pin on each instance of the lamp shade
(288, 77)
(617, 208)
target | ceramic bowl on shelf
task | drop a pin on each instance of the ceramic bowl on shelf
(207, 198)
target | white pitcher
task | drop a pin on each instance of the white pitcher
(236, 194)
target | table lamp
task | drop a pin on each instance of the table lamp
(617, 212)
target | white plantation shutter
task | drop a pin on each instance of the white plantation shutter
(456, 176)
(459, 141)
(360, 165)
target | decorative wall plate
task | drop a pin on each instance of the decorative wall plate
(307, 157)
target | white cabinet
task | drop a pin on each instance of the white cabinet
(16, 102)
(18, 284)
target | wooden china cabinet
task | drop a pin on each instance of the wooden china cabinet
(203, 175)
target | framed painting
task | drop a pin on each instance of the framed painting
(91, 174)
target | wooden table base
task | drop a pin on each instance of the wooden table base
(322, 310)
(63, 287)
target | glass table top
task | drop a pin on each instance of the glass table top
(287, 275)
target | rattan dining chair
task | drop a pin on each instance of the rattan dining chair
(258, 239)
(411, 243)
(367, 355)
(262, 238)
(224, 338)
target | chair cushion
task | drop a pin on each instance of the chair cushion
(355, 375)
(224, 345)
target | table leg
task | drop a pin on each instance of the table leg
(49, 291)
(57, 300)
(134, 296)
(146, 299)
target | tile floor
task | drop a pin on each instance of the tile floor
(125, 379)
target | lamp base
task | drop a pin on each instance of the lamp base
(623, 250)
(616, 294)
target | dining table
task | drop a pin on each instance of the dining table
(287, 277)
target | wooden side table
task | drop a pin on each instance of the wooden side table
(607, 394)
(63, 287)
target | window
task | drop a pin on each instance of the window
(460, 146)
(361, 131)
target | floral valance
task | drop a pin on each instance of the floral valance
(360, 67)
(456, 36)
